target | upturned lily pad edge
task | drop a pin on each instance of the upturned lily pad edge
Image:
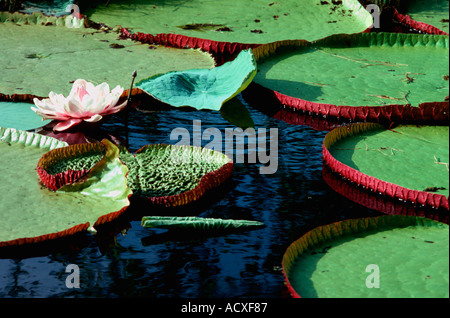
(378, 186)
(344, 228)
(12, 135)
(24, 137)
(436, 112)
(207, 182)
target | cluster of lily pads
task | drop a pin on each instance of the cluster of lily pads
(319, 58)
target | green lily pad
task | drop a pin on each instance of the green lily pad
(369, 69)
(397, 155)
(197, 223)
(256, 21)
(31, 213)
(203, 88)
(407, 162)
(50, 57)
(383, 257)
(20, 116)
(175, 175)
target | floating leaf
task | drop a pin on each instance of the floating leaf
(289, 19)
(348, 259)
(203, 88)
(49, 58)
(31, 213)
(399, 162)
(197, 223)
(374, 75)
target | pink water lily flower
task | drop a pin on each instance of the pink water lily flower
(85, 102)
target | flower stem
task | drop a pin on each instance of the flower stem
(131, 87)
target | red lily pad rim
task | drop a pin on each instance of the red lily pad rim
(427, 112)
(379, 203)
(417, 25)
(222, 51)
(56, 181)
(342, 228)
(378, 186)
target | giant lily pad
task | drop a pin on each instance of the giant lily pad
(31, 213)
(163, 175)
(370, 76)
(410, 163)
(258, 21)
(382, 257)
(203, 88)
(49, 56)
(20, 116)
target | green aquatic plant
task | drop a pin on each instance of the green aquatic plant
(203, 88)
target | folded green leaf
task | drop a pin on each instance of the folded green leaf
(203, 88)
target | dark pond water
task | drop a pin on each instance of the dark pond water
(127, 260)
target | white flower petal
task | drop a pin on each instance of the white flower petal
(94, 118)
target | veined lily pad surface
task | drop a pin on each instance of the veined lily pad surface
(256, 21)
(175, 175)
(406, 162)
(383, 257)
(203, 88)
(370, 69)
(40, 54)
(20, 116)
(31, 213)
